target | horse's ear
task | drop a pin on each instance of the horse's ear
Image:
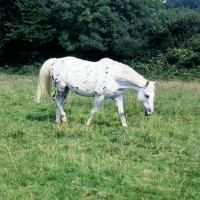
(147, 84)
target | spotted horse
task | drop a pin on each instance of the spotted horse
(102, 79)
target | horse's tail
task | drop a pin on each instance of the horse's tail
(43, 88)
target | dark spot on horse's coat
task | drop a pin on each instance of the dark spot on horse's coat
(77, 88)
(77, 70)
(121, 114)
(95, 92)
(104, 88)
(53, 97)
(71, 86)
(88, 74)
(58, 74)
(106, 72)
(85, 82)
(52, 64)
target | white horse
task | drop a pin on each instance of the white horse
(103, 79)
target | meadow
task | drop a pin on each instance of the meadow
(155, 157)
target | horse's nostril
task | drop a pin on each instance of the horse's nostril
(148, 112)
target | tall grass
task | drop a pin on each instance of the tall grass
(155, 157)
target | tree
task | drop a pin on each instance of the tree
(7, 9)
(30, 32)
(175, 35)
(118, 28)
(173, 28)
(192, 4)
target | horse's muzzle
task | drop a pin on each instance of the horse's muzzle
(147, 113)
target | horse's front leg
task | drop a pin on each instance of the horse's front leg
(119, 103)
(97, 102)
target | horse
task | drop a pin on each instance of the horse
(103, 79)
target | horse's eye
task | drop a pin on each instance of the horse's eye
(147, 96)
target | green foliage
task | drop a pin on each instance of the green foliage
(175, 64)
(155, 157)
(194, 43)
(183, 58)
(29, 31)
(174, 28)
(6, 14)
(136, 30)
(31, 24)
(22, 70)
(104, 26)
(192, 4)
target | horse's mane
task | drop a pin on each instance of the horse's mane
(129, 73)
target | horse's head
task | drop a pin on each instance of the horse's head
(146, 97)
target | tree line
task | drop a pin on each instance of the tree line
(132, 30)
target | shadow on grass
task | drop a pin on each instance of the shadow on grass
(71, 119)
(101, 123)
(41, 118)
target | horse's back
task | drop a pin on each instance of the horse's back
(71, 63)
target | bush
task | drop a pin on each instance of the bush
(179, 64)
(183, 58)
(20, 70)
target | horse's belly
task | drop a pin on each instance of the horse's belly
(87, 93)
(82, 89)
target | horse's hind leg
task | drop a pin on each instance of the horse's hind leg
(59, 97)
(97, 102)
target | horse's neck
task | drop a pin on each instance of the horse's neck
(134, 80)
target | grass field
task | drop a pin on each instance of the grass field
(156, 157)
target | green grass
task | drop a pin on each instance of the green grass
(156, 157)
